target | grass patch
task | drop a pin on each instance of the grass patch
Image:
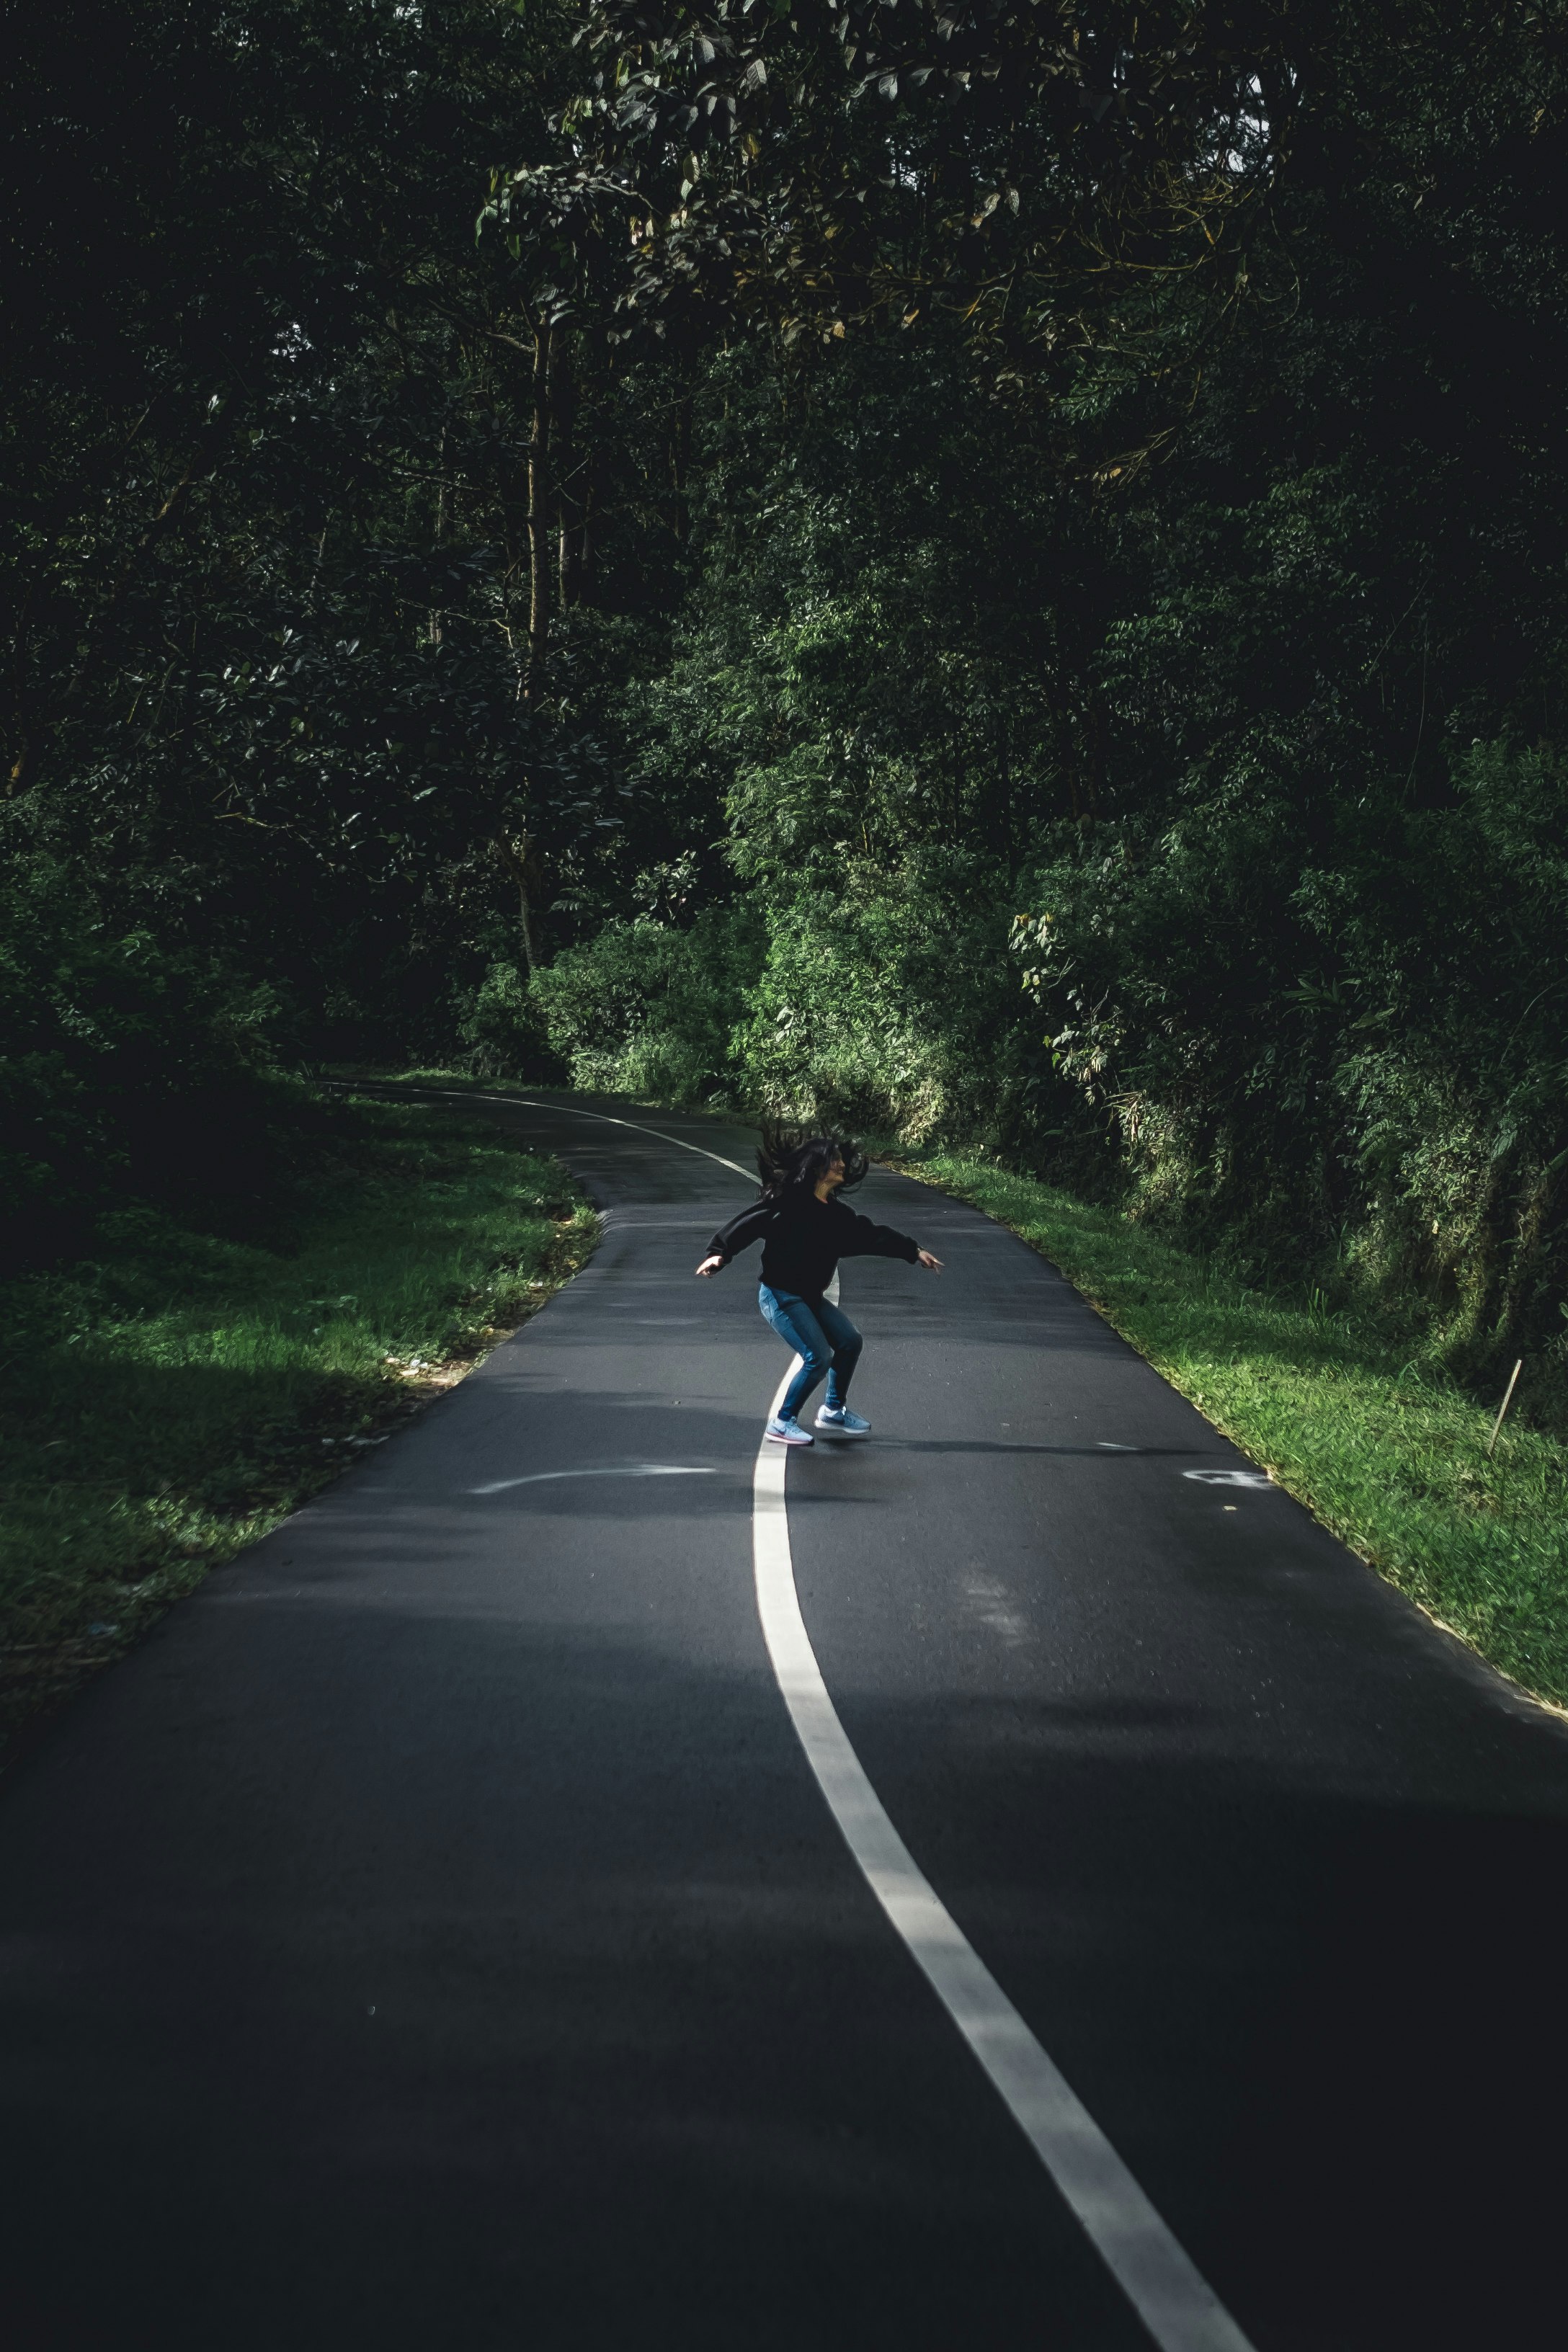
(1384, 1452)
(171, 1398)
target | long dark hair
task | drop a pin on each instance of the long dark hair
(790, 1160)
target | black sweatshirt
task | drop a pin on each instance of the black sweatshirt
(804, 1238)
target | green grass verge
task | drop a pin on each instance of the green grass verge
(169, 1400)
(1393, 1461)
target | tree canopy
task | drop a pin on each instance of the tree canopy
(994, 568)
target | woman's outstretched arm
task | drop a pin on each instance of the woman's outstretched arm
(738, 1235)
(861, 1238)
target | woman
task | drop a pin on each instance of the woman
(804, 1232)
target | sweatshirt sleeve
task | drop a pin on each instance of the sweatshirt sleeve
(741, 1231)
(859, 1237)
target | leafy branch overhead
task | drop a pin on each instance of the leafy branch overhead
(838, 160)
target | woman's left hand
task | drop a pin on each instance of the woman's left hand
(933, 1264)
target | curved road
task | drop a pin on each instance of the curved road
(436, 1934)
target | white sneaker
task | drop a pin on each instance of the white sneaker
(837, 1420)
(788, 1432)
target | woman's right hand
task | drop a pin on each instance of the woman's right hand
(711, 1266)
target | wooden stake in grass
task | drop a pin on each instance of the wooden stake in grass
(1502, 1408)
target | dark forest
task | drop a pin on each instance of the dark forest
(996, 573)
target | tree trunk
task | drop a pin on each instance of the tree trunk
(563, 467)
(436, 617)
(538, 519)
(680, 463)
(585, 547)
(518, 854)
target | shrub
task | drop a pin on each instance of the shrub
(649, 1010)
(888, 1003)
(504, 1029)
(127, 1068)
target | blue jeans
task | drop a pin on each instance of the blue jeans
(824, 1339)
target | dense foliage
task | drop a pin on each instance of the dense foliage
(997, 570)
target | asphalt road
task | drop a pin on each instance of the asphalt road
(435, 1936)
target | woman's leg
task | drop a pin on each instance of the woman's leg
(798, 1328)
(846, 1344)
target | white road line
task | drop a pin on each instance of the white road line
(462, 1094)
(1177, 2306)
(627, 1470)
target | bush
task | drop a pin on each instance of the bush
(645, 1009)
(1340, 1045)
(127, 1069)
(890, 1004)
(504, 1030)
